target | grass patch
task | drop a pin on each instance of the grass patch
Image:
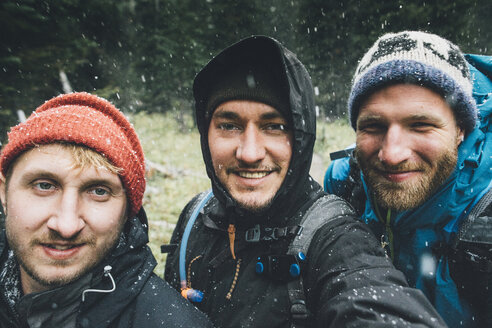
(332, 136)
(173, 143)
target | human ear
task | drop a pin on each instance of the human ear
(461, 136)
(3, 191)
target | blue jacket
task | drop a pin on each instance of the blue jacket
(412, 234)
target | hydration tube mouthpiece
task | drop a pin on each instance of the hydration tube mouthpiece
(191, 294)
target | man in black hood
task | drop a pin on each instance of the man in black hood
(247, 251)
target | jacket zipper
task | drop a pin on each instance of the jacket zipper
(389, 232)
(11, 309)
(387, 237)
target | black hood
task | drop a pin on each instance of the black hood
(295, 81)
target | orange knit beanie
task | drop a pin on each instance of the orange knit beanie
(88, 120)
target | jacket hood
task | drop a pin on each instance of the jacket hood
(294, 80)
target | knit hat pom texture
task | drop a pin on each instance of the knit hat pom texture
(418, 58)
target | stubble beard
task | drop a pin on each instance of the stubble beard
(22, 255)
(251, 204)
(401, 196)
(254, 206)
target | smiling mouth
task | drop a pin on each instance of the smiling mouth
(396, 172)
(253, 175)
(399, 176)
(60, 247)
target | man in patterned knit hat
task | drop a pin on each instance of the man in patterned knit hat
(421, 163)
(73, 252)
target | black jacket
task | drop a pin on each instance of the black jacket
(347, 278)
(141, 299)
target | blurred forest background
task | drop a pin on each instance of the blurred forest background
(143, 54)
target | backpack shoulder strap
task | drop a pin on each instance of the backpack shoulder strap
(477, 226)
(343, 178)
(472, 246)
(322, 211)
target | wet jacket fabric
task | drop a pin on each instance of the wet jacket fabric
(347, 279)
(140, 299)
(414, 234)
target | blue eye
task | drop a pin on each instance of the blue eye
(421, 125)
(100, 191)
(281, 127)
(371, 128)
(44, 185)
(100, 194)
(227, 126)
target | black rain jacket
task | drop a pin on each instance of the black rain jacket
(141, 299)
(347, 278)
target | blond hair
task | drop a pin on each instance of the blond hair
(83, 157)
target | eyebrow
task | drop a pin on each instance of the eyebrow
(36, 174)
(93, 182)
(370, 119)
(272, 115)
(226, 114)
(423, 117)
(415, 117)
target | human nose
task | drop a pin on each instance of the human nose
(67, 220)
(251, 148)
(395, 148)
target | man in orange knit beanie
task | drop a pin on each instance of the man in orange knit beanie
(74, 249)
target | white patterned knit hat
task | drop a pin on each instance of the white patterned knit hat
(418, 58)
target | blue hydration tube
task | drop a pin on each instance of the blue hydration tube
(191, 294)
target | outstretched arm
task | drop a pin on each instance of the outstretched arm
(351, 283)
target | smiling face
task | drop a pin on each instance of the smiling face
(250, 146)
(61, 221)
(407, 140)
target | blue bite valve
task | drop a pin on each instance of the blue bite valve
(193, 295)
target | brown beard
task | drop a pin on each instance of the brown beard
(401, 196)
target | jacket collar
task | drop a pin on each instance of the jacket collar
(132, 264)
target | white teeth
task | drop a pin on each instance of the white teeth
(252, 175)
(61, 247)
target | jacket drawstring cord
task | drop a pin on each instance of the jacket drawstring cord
(232, 237)
(107, 273)
(390, 233)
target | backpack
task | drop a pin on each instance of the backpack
(470, 256)
(285, 267)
